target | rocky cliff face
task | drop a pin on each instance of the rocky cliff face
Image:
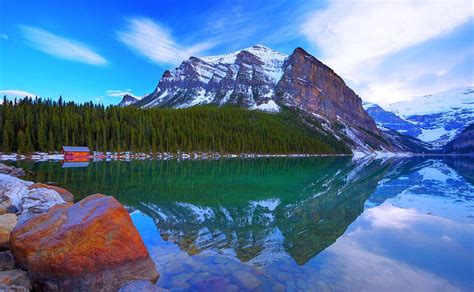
(308, 83)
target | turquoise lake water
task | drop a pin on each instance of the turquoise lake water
(294, 224)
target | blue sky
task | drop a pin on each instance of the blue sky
(98, 50)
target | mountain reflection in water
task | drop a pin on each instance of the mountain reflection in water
(341, 223)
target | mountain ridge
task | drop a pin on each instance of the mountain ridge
(259, 78)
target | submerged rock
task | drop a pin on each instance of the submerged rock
(65, 194)
(246, 280)
(90, 245)
(140, 285)
(7, 223)
(215, 284)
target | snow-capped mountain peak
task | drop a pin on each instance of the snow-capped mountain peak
(245, 77)
(434, 118)
(129, 99)
(265, 54)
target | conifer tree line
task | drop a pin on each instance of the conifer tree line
(29, 125)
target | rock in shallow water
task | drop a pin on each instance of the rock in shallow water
(91, 245)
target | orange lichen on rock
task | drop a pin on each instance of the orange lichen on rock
(91, 244)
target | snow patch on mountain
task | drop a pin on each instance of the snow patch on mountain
(272, 62)
(269, 106)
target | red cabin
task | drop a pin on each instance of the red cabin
(74, 152)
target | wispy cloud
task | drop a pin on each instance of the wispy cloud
(12, 93)
(151, 40)
(355, 37)
(61, 47)
(119, 93)
(3, 36)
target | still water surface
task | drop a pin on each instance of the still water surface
(329, 224)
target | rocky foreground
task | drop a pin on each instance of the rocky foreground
(49, 243)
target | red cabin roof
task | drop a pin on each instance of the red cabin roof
(75, 149)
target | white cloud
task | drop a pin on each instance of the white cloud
(61, 47)
(12, 93)
(154, 42)
(119, 93)
(355, 37)
(3, 36)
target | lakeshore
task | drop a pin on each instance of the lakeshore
(49, 243)
(204, 233)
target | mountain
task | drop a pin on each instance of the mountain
(246, 78)
(259, 78)
(128, 100)
(386, 119)
(435, 119)
(462, 143)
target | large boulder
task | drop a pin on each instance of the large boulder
(65, 194)
(14, 188)
(7, 223)
(88, 246)
(37, 202)
(27, 198)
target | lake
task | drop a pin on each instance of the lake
(328, 224)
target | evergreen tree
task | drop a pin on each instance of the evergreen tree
(51, 141)
(21, 142)
(7, 137)
(46, 126)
